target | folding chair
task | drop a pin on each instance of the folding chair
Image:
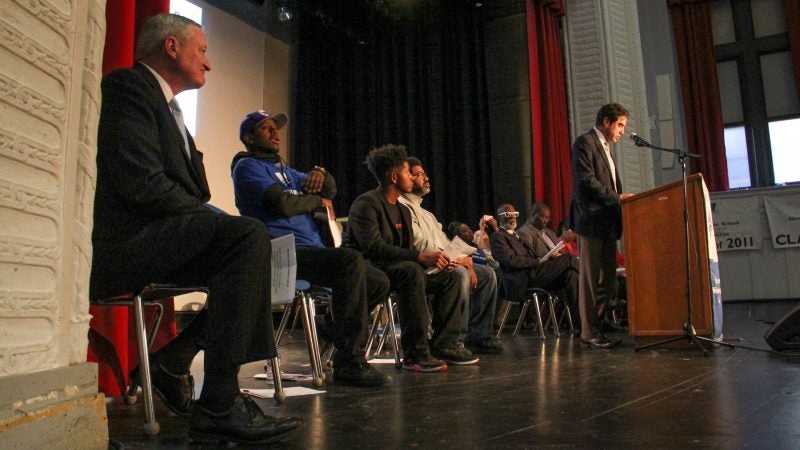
(303, 305)
(293, 295)
(150, 295)
(532, 295)
(381, 333)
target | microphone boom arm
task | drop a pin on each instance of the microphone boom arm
(640, 142)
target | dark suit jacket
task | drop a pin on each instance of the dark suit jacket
(532, 237)
(518, 264)
(149, 194)
(595, 210)
(371, 230)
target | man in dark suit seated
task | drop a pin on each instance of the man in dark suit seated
(380, 227)
(151, 225)
(536, 235)
(286, 199)
(521, 267)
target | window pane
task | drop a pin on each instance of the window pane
(729, 93)
(785, 157)
(777, 73)
(722, 22)
(768, 17)
(736, 153)
(188, 99)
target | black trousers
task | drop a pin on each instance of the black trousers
(357, 287)
(230, 255)
(409, 280)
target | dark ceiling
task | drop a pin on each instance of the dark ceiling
(348, 16)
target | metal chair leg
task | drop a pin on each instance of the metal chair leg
(503, 320)
(312, 314)
(312, 357)
(522, 311)
(569, 319)
(373, 330)
(151, 427)
(280, 394)
(393, 334)
(551, 304)
(287, 311)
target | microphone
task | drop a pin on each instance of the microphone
(639, 141)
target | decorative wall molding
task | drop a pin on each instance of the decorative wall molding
(50, 56)
(604, 64)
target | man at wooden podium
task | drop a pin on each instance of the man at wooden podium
(596, 217)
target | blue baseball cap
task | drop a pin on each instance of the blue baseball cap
(252, 120)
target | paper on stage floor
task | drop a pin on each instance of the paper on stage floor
(285, 376)
(456, 249)
(294, 391)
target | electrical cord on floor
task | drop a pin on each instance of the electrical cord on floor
(765, 350)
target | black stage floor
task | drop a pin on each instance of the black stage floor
(542, 394)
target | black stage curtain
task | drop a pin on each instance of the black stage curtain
(415, 78)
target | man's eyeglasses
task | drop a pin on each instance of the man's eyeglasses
(509, 214)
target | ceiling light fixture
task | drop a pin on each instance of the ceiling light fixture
(284, 13)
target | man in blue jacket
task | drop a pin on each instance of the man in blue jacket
(286, 199)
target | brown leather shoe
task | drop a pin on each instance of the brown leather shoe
(243, 422)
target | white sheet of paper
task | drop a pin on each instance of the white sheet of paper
(336, 232)
(557, 248)
(381, 361)
(284, 376)
(284, 268)
(293, 391)
(456, 249)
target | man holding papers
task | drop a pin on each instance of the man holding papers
(285, 200)
(521, 266)
(478, 283)
(547, 247)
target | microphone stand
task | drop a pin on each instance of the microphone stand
(689, 332)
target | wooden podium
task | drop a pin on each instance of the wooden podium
(655, 262)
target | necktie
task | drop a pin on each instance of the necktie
(547, 240)
(611, 164)
(177, 114)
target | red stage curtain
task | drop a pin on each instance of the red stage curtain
(691, 24)
(112, 342)
(549, 132)
(792, 9)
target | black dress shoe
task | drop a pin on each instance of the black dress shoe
(243, 422)
(612, 327)
(599, 343)
(358, 372)
(176, 391)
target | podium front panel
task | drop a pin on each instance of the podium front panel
(655, 261)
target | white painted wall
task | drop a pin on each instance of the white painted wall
(240, 70)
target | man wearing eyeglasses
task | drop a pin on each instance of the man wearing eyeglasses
(596, 217)
(541, 239)
(478, 283)
(380, 227)
(520, 265)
